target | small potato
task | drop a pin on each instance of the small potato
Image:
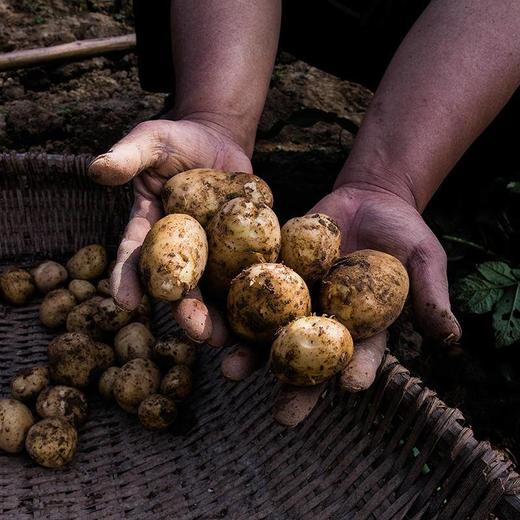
(29, 382)
(55, 308)
(15, 421)
(366, 291)
(81, 318)
(88, 263)
(136, 380)
(177, 383)
(143, 312)
(71, 359)
(311, 350)
(133, 341)
(103, 287)
(106, 383)
(52, 442)
(173, 257)
(241, 233)
(309, 245)
(104, 355)
(109, 317)
(201, 192)
(65, 402)
(175, 349)
(82, 289)
(157, 412)
(264, 298)
(17, 285)
(49, 275)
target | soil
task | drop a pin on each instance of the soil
(306, 132)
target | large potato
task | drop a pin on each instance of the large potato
(201, 192)
(242, 233)
(311, 350)
(55, 308)
(17, 285)
(265, 297)
(366, 291)
(88, 263)
(15, 421)
(49, 275)
(173, 257)
(63, 401)
(309, 245)
(29, 382)
(133, 341)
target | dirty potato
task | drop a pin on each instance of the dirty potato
(177, 383)
(15, 421)
(104, 355)
(65, 402)
(17, 285)
(29, 382)
(157, 412)
(81, 289)
(175, 349)
(88, 263)
(81, 318)
(133, 341)
(106, 383)
(103, 287)
(55, 308)
(109, 316)
(49, 275)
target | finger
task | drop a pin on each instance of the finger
(242, 363)
(220, 335)
(193, 316)
(429, 286)
(293, 403)
(361, 371)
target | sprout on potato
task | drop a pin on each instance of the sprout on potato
(55, 308)
(29, 382)
(157, 412)
(88, 263)
(177, 383)
(63, 401)
(17, 285)
(49, 275)
(15, 421)
(81, 289)
(175, 349)
(106, 383)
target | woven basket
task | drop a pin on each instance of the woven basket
(393, 452)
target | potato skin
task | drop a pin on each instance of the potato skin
(106, 383)
(81, 318)
(366, 291)
(104, 355)
(65, 402)
(157, 412)
(265, 297)
(311, 350)
(173, 257)
(177, 383)
(15, 421)
(52, 442)
(81, 289)
(109, 317)
(310, 244)
(133, 341)
(201, 192)
(17, 285)
(88, 263)
(103, 287)
(29, 382)
(49, 275)
(136, 380)
(241, 233)
(55, 308)
(175, 349)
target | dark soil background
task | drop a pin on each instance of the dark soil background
(305, 135)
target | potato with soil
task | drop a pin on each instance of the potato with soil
(49, 275)
(175, 349)
(104, 355)
(110, 317)
(103, 287)
(29, 382)
(82, 289)
(17, 285)
(173, 257)
(136, 380)
(88, 263)
(52, 442)
(55, 308)
(242, 233)
(366, 291)
(309, 245)
(264, 298)
(15, 421)
(72, 359)
(65, 402)
(143, 313)
(311, 350)
(157, 412)
(81, 318)
(133, 341)
(200, 193)
(177, 383)
(106, 383)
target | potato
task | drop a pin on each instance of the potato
(29, 382)
(242, 233)
(65, 402)
(17, 285)
(81, 289)
(173, 257)
(81, 318)
(177, 383)
(104, 355)
(157, 412)
(311, 350)
(366, 291)
(52, 442)
(88, 263)
(200, 193)
(106, 383)
(309, 245)
(264, 298)
(143, 312)
(103, 287)
(71, 359)
(136, 380)
(15, 421)
(133, 341)
(110, 317)
(49, 275)
(55, 308)
(175, 349)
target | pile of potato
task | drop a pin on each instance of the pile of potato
(102, 346)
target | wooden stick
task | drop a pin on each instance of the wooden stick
(75, 50)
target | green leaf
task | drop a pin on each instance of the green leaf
(516, 273)
(476, 295)
(498, 273)
(506, 318)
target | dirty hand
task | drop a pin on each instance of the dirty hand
(150, 154)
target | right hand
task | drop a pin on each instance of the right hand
(149, 155)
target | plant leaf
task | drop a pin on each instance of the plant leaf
(506, 318)
(476, 295)
(498, 273)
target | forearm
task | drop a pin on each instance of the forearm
(452, 74)
(224, 52)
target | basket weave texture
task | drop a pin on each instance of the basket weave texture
(393, 452)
